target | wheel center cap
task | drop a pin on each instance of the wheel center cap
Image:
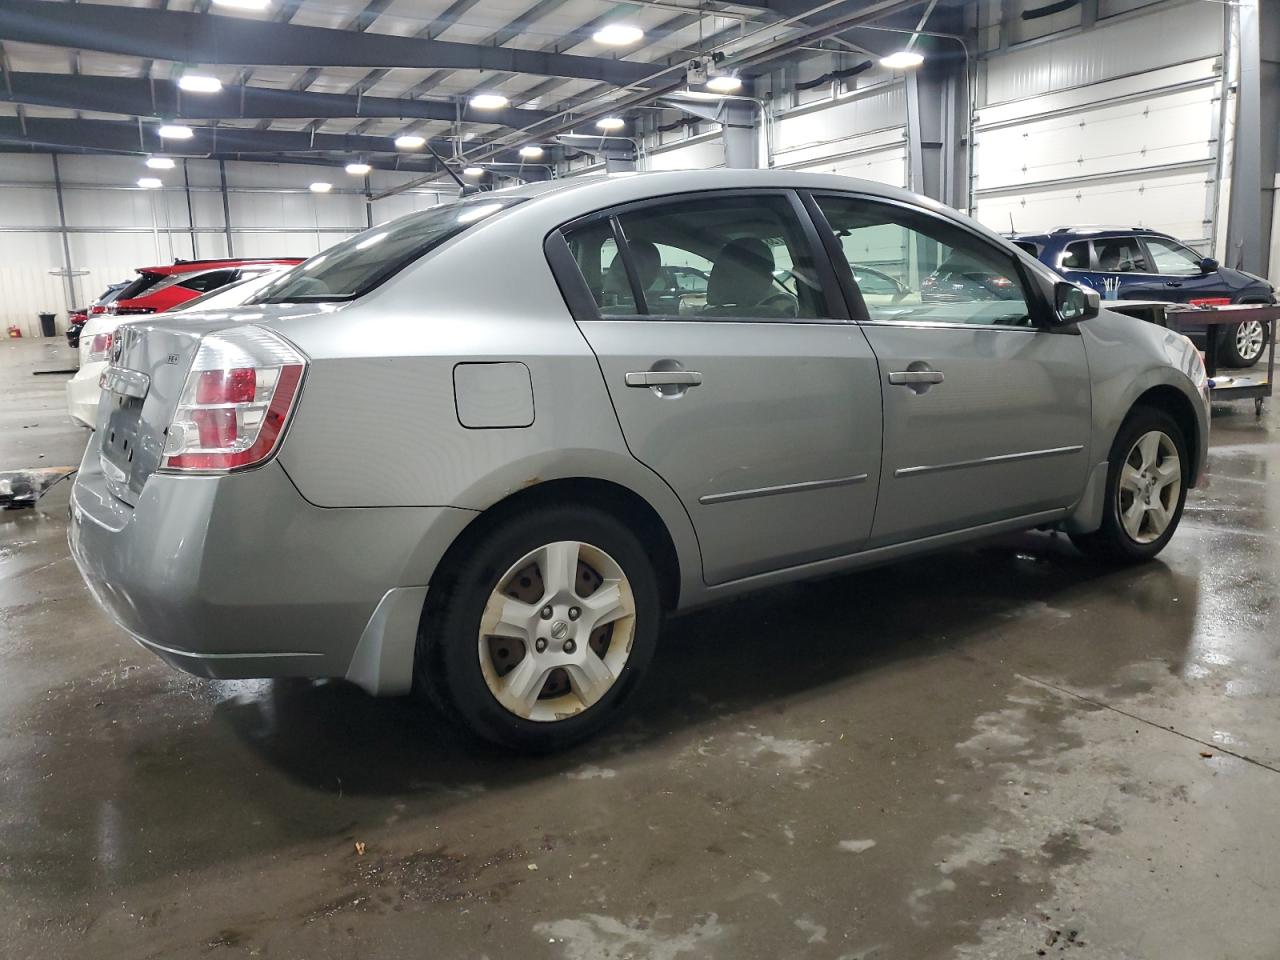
(559, 630)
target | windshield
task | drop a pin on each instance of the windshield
(357, 265)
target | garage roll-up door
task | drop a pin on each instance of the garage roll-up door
(1108, 142)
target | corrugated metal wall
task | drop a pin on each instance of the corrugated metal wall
(114, 227)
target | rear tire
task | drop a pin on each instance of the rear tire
(1146, 490)
(1243, 343)
(513, 644)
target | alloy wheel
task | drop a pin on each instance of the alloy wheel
(1150, 484)
(1250, 337)
(556, 631)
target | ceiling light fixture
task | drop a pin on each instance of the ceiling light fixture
(176, 131)
(489, 101)
(724, 83)
(160, 163)
(473, 171)
(902, 60)
(618, 35)
(321, 187)
(149, 183)
(410, 141)
(358, 169)
(199, 83)
(243, 4)
(611, 123)
(531, 152)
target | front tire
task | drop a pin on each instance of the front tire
(1242, 344)
(538, 631)
(1146, 490)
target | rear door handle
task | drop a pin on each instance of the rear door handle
(1173, 283)
(664, 378)
(905, 378)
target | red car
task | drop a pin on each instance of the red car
(158, 289)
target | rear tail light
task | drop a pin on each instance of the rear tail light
(100, 347)
(239, 393)
(99, 308)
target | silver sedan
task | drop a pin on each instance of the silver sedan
(482, 449)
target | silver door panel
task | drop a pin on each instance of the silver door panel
(1003, 432)
(774, 447)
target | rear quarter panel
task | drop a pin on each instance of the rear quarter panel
(377, 424)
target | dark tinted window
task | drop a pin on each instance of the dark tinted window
(1121, 255)
(1076, 256)
(143, 283)
(358, 264)
(945, 273)
(1028, 247)
(209, 280)
(725, 257)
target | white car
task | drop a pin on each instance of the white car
(83, 390)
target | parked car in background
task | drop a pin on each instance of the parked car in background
(77, 318)
(158, 289)
(1148, 265)
(557, 459)
(83, 390)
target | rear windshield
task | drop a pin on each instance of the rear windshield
(136, 288)
(357, 265)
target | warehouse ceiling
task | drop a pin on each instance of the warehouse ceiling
(337, 79)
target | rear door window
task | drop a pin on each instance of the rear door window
(751, 249)
(1121, 255)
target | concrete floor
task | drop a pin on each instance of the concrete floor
(995, 752)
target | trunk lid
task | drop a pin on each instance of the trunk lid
(150, 360)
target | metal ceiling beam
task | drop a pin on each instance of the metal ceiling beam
(137, 97)
(112, 136)
(201, 39)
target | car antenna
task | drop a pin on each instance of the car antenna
(1013, 231)
(447, 169)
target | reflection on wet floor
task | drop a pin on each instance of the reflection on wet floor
(988, 752)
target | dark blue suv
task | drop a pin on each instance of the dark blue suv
(1143, 264)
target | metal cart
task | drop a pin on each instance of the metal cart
(1176, 316)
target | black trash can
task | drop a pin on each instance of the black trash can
(46, 325)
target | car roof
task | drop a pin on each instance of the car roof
(578, 196)
(1089, 233)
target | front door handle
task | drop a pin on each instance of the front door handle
(663, 378)
(905, 378)
(1173, 283)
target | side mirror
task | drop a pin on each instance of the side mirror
(1208, 265)
(1074, 303)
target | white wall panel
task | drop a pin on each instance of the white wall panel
(825, 129)
(702, 155)
(1158, 130)
(28, 206)
(1105, 126)
(883, 165)
(116, 227)
(1173, 202)
(1172, 32)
